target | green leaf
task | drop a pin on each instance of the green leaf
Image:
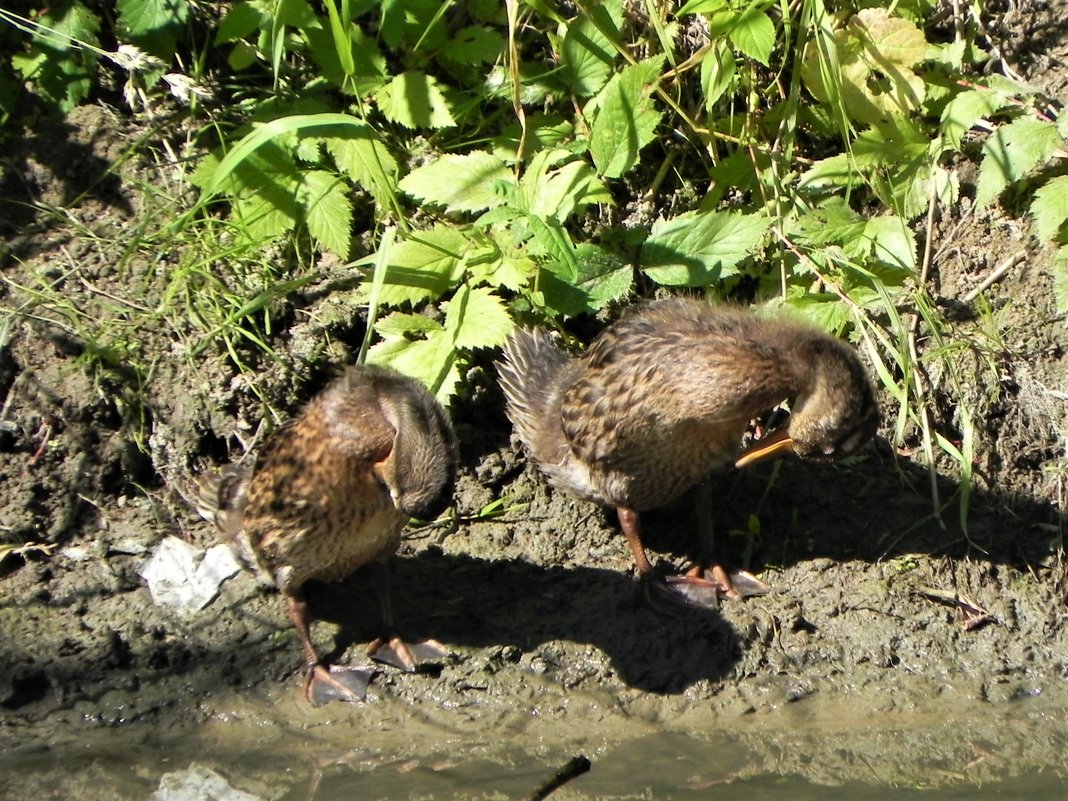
(327, 209)
(556, 194)
(553, 240)
(424, 267)
(697, 249)
(475, 45)
(469, 182)
(359, 69)
(625, 119)
(754, 34)
(413, 99)
(717, 72)
(425, 353)
(701, 7)
(240, 21)
(360, 154)
(477, 318)
(964, 110)
(586, 57)
(602, 275)
(1011, 152)
(892, 241)
(153, 24)
(1050, 207)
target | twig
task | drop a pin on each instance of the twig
(574, 768)
(996, 275)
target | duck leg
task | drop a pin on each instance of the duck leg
(690, 590)
(390, 649)
(736, 584)
(322, 683)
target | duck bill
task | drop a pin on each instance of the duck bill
(772, 445)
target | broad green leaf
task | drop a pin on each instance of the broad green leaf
(873, 78)
(402, 324)
(241, 20)
(360, 154)
(754, 34)
(1011, 152)
(586, 57)
(558, 193)
(424, 267)
(831, 172)
(414, 100)
(892, 241)
(153, 24)
(822, 309)
(430, 358)
(359, 69)
(477, 318)
(413, 22)
(833, 223)
(701, 7)
(697, 249)
(964, 110)
(1050, 207)
(717, 72)
(327, 210)
(474, 45)
(468, 182)
(66, 25)
(625, 119)
(602, 275)
(552, 240)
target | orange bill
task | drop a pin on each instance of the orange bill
(773, 444)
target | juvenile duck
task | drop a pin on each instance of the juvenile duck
(664, 396)
(330, 492)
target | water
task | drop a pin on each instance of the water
(1014, 750)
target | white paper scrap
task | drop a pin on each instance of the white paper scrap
(179, 575)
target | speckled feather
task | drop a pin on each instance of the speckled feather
(332, 489)
(663, 397)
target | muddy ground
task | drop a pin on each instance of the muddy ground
(550, 638)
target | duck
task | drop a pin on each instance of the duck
(329, 492)
(664, 396)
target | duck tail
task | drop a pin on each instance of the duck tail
(531, 375)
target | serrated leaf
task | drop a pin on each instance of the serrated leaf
(360, 71)
(414, 100)
(892, 241)
(241, 20)
(834, 223)
(552, 239)
(697, 249)
(718, 69)
(964, 110)
(361, 155)
(153, 24)
(73, 22)
(399, 324)
(468, 182)
(1050, 207)
(431, 360)
(327, 210)
(754, 34)
(625, 120)
(474, 45)
(586, 57)
(424, 267)
(822, 309)
(477, 318)
(556, 194)
(1011, 152)
(602, 275)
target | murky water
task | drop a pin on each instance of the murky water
(1016, 750)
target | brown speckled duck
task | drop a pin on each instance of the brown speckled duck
(664, 396)
(330, 492)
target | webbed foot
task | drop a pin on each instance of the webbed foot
(337, 683)
(409, 657)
